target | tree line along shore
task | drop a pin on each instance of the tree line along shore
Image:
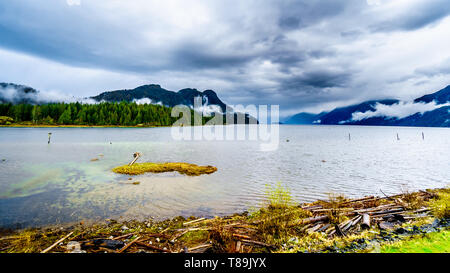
(408, 222)
(78, 114)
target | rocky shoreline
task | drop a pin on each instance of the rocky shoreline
(335, 225)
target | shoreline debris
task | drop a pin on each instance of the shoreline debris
(334, 225)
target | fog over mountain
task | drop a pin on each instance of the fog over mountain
(16, 93)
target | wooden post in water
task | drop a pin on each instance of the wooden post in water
(49, 136)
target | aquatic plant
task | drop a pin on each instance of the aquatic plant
(182, 168)
(278, 196)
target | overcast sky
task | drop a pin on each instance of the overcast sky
(308, 55)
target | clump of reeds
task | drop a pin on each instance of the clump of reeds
(276, 218)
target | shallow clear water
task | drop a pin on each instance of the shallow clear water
(58, 183)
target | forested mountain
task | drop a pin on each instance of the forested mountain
(156, 94)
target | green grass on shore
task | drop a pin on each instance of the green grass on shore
(436, 242)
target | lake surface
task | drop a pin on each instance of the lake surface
(44, 184)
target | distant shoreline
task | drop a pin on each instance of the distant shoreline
(76, 126)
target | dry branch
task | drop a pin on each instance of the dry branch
(55, 244)
(128, 245)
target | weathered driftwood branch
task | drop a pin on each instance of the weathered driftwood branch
(311, 207)
(310, 220)
(338, 230)
(152, 247)
(194, 221)
(324, 228)
(359, 200)
(204, 247)
(241, 236)
(57, 242)
(179, 235)
(128, 245)
(124, 236)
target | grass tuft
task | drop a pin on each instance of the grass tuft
(440, 206)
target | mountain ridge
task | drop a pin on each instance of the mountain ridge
(157, 94)
(439, 116)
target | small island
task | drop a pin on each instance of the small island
(182, 168)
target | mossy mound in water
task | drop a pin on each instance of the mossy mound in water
(182, 168)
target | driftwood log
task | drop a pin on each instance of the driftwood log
(365, 221)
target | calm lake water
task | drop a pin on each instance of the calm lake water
(58, 183)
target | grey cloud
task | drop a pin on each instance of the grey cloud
(439, 69)
(415, 17)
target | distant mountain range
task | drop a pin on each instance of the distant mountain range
(431, 110)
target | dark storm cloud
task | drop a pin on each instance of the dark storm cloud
(289, 22)
(295, 53)
(317, 80)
